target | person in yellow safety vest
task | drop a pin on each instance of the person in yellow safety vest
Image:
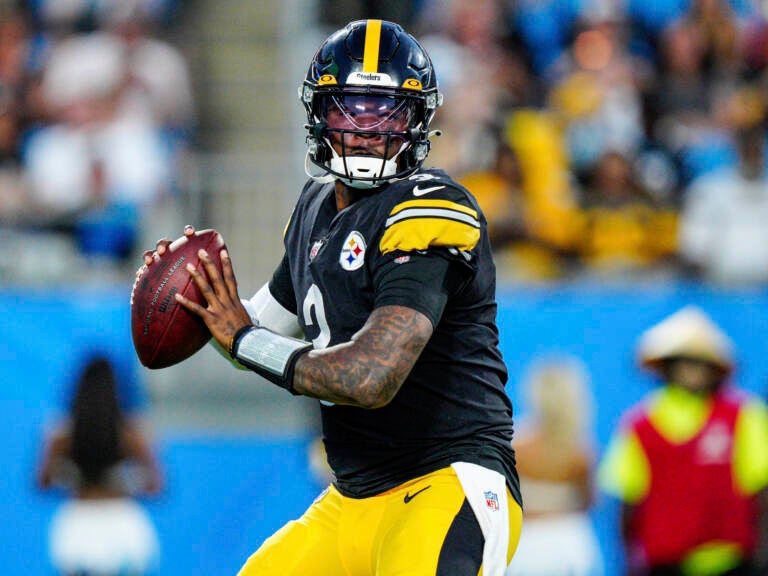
(690, 461)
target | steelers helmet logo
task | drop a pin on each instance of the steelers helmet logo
(352, 254)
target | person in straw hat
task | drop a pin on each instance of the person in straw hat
(689, 463)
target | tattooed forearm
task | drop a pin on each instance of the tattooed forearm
(368, 370)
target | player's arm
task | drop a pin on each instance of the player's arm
(368, 370)
(412, 290)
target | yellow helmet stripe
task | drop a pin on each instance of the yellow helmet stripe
(371, 53)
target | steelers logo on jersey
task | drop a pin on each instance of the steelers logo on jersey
(352, 254)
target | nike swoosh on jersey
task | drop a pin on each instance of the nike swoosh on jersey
(409, 497)
(418, 192)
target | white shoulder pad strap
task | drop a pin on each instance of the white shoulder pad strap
(265, 311)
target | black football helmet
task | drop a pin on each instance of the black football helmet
(370, 84)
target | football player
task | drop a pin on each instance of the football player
(388, 276)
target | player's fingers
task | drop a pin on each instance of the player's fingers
(202, 283)
(193, 307)
(161, 246)
(214, 278)
(189, 230)
(229, 275)
(148, 259)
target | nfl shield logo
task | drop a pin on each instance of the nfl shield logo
(315, 249)
(352, 254)
(491, 500)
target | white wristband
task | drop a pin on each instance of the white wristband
(269, 354)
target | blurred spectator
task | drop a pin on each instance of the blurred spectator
(96, 119)
(519, 253)
(681, 106)
(624, 228)
(66, 16)
(690, 462)
(463, 41)
(335, 14)
(14, 49)
(555, 461)
(596, 91)
(723, 234)
(545, 26)
(159, 87)
(499, 193)
(717, 21)
(570, 81)
(94, 167)
(100, 455)
(519, 86)
(553, 217)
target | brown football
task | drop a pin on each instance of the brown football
(164, 332)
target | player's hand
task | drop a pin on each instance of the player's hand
(225, 314)
(162, 246)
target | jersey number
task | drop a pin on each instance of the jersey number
(314, 307)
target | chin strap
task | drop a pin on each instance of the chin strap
(321, 178)
(387, 174)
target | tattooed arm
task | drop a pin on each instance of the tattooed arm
(368, 370)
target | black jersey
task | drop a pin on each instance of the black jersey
(420, 243)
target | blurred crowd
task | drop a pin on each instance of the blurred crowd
(96, 114)
(604, 138)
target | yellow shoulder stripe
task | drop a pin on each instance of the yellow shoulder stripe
(419, 224)
(421, 233)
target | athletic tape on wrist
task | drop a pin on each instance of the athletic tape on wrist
(236, 338)
(269, 354)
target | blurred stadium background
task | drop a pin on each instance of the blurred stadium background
(617, 114)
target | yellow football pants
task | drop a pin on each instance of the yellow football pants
(423, 527)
